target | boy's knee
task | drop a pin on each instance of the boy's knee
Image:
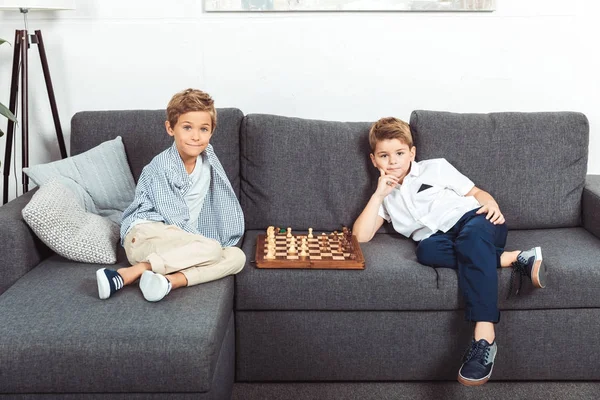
(478, 227)
(236, 257)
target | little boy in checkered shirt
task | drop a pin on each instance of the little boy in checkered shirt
(181, 228)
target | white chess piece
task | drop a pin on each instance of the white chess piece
(310, 235)
(304, 247)
(292, 249)
(270, 253)
(289, 232)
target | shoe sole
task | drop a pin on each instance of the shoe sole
(103, 284)
(538, 271)
(144, 287)
(474, 382)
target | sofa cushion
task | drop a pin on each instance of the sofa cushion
(534, 164)
(304, 173)
(100, 177)
(61, 222)
(144, 136)
(56, 335)
(394, 280)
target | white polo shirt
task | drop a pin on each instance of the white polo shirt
(430, 199)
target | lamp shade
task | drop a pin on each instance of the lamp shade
(37, 4)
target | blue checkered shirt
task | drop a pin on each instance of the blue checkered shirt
(159, 196)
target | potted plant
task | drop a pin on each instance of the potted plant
(4, 111)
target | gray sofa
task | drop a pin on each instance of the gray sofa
(395, 321)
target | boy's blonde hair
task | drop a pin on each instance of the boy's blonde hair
(191, 100)
(390, 128)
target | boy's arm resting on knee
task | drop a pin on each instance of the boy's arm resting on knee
(369, 221)
(489, 206)
(590, 205)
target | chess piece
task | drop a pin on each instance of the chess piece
(310, 235)
(292, 249)
(303, 252)
(270, 253)
(324, 242)
(289, 232)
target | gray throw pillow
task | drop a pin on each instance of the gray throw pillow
(56, 216)
(100, 178)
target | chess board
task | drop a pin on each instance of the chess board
(322, 253)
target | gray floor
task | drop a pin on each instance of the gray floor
(417, 390)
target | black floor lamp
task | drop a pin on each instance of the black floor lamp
(20, 72)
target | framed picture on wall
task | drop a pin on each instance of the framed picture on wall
(348, 5)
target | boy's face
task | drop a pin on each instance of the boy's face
(394, 157)
(192, 133)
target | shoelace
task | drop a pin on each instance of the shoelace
(518, 269)
(478, 352)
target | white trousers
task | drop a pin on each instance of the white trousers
(170, 249)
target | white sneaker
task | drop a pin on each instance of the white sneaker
(154, 286)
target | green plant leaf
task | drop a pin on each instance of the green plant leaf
(3, 41)
(6, 112)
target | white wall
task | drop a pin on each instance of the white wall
(534, 55)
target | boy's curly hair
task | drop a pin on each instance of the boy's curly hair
(191, 100)
(389, 128)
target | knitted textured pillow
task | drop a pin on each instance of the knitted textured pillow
(57, 217)
(101, 177)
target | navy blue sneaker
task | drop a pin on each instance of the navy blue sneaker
(531, 260)
(478, 364)
(529, 263)
(109, 281)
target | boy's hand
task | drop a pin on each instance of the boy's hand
(493, 213)
(385, 184)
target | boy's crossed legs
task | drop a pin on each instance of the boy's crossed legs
(165, 258)
(475, 247)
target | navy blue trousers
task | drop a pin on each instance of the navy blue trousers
(473, 247)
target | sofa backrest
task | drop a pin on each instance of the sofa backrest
(144, 136)
(534, 164)
(304, 173)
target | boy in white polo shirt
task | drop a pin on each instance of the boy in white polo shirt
(456, 225)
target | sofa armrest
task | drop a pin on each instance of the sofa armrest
(590, 204)
(21, 250)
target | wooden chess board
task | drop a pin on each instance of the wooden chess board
(322, 253)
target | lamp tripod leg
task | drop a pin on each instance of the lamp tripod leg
(59, 133)
(12, 106)
(24, 109)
